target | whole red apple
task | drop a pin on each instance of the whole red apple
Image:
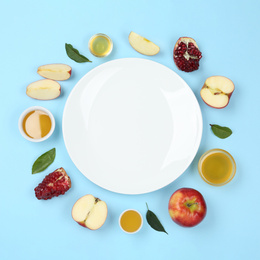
(187, 207)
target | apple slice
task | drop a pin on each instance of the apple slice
(216, 91)
(142, 45)
(90, 212)
(44, 89)
(55, 71)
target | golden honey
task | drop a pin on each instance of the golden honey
(130, 221)
(100, 45)
(36, 124)
(217, 167)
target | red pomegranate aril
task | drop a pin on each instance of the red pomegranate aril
(194, 51)
(181, 49)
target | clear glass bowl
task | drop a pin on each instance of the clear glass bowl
(107, 51)
(210, 152)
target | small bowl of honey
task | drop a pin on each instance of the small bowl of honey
(36, 124)
(130, 221)
(217, 167)
(100, 45)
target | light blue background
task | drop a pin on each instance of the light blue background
(33, 33)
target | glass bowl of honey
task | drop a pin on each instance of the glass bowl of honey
(100, 45)
(217, 167)
(36, 124)
(130, 221)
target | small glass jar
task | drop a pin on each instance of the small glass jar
(217, 167)
(100, 45)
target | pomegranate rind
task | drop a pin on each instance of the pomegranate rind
(185, 39)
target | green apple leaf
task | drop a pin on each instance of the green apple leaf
(74, 54)
(153, 221)
(44, 161)
(221, 131)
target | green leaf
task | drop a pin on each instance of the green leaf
(153, 221)
(44, 161)
(75, 55)
(221, 131)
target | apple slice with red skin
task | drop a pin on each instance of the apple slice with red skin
(187, 207)
(57, 71)
(45, 89)
(89, 212)
(216, 91)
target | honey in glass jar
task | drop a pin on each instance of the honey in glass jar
(100, 45)
(217, 167)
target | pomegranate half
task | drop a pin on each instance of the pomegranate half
(186, 54)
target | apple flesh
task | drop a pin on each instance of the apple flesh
(187, 207)
(90, 212)
(55, 71)
(216, 91)
(142, 45)
(45, 89)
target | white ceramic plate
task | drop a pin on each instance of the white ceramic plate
(132, 126)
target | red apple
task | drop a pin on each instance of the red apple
(216, 91)
(187, 207)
